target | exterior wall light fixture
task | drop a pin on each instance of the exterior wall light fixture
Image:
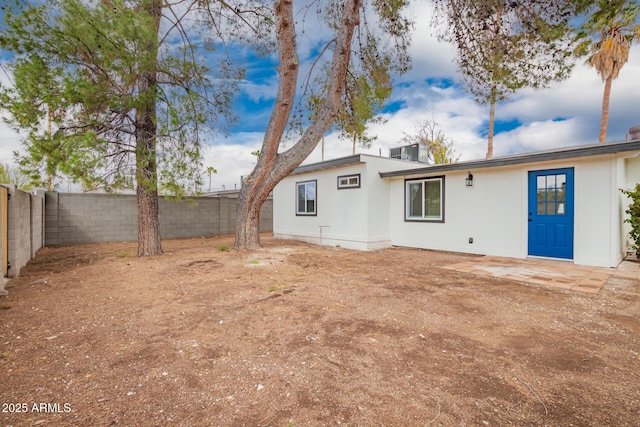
(469, 180)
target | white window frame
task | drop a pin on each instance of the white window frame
(313, 183)
(423, 217)
(349, 178)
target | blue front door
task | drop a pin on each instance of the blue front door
(551, 213)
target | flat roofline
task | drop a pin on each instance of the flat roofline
(523, 158)
(347, 160)
(341, 161)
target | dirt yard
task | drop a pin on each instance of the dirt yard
(297, 335)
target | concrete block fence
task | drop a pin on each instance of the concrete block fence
(90, 218)
(58, 219)
(25, 228)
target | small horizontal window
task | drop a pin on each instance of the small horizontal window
(348, 181)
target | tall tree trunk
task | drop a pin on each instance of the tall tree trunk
(495, 68)
(146, 167)
(272, 166)
(49, 175)
(492, 122)
(605, 109)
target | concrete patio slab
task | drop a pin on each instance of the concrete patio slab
(560, 274)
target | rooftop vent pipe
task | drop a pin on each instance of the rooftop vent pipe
(634, 133)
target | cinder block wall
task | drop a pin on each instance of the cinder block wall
(90, 218)
(37, 222)
(266, 216)
(182, 219)
(24, 232)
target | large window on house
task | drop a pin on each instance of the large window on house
(424, 199)
(306, 203)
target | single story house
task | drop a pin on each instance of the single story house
(563, 204)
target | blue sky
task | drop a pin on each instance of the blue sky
(568, 113)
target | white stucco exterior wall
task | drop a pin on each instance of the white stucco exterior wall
(378, 195)
(632, 175)
(595, 210)
(356, 218)
(343, 222)
(494, 212)
(491, 212)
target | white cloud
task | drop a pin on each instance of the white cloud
(577, 101)
(9, 142)
(259, 92)
(232, 159)
(430, 58)
(542, 135)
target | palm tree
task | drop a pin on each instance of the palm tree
(211, 170)
(614, 26)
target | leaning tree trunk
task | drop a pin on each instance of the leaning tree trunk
(146, 167)
(272, 166)
(605, 109)
(250, 200)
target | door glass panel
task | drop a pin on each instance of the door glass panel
(551, 194)
(541, 202)
(541, 195)
(562, 188)
(560, 191)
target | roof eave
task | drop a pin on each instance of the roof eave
(342, 161)
(543, 156)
